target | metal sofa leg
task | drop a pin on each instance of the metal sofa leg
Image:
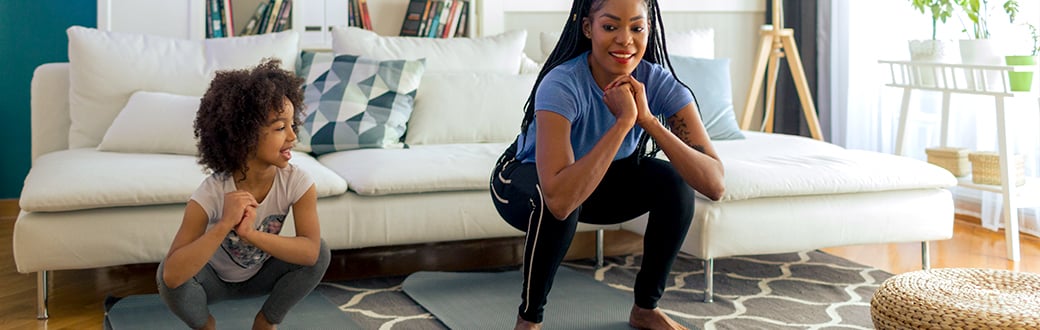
(926, 261)
(599, 248)
(709, 285)
(42, 282)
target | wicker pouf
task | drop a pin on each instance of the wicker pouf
(958, 298)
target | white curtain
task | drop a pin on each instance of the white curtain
(865, 113)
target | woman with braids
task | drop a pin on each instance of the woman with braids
(228, 245)
(580, 155)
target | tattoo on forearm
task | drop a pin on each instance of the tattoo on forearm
(680, 129)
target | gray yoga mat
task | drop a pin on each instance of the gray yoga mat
(149, 312)
(490, 300)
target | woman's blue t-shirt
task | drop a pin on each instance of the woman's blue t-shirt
(570, 91)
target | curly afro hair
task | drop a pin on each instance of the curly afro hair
(236, 106)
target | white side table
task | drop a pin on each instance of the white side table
(987, 80)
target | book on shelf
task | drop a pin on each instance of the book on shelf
(250, 27)
(435, 18)
(227, 18)
(357, 14)
(272, 17)
(413, 18)
(213, 19)
(366, 20)
(269, 16)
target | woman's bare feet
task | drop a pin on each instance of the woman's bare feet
(522, 324)
(655, 319)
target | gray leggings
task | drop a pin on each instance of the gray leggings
(286, 283)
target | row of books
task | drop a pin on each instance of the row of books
(219, 21)
(270, 16)
(436, 18)
(357, 14)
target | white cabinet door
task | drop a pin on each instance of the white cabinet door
(178, 19)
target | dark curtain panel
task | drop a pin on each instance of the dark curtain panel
(803, 17)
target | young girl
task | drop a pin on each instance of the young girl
(580, 154)
(228, 244)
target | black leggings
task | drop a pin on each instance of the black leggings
(631, 187)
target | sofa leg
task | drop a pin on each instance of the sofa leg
(42, 282)
(599, 248)
(709, 285)
(926, 261)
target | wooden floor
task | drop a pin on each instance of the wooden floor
(77, 295)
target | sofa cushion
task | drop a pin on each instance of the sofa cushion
(313, 64)
(86, 178)
(422, 168)
(105, 68)
(776, 165)
(498, 53)
(709, 79)
(360, 102)
(468, 108)
(155, 123)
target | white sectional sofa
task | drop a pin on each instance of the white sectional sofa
(87, 208)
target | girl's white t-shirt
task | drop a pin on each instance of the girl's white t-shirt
(235, 260)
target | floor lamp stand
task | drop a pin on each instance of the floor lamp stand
(778, 42)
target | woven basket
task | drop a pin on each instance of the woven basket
(958, 298)
(985, 168)
(954, 160)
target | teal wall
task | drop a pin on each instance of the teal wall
(32, 32)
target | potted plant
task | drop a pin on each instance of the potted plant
(1022, 81)
(933, 50)
(978, 48)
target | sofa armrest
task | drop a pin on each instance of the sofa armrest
(50, 108)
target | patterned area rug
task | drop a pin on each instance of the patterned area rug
(805, 290)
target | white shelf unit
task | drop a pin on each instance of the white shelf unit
(986, 80)
(185, 19)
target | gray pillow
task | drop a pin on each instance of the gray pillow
(710, 81)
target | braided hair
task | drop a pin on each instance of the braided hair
(573, 43)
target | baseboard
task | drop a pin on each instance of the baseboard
(9, 208)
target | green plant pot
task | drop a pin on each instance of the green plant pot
(1020, 81)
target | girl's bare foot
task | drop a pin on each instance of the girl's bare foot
(522, 324)
(655, 319)
(260, 323)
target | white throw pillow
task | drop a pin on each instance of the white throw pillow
(106, 67)
(154, 123)
(468, 108)
(498, 53)
(693, 43)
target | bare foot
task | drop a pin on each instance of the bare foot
(211, 323)
(260, 322)
(654, 319)
(522, 324)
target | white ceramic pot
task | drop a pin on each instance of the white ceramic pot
(983, 52)
(938, 51)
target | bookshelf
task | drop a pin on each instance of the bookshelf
(186, 18)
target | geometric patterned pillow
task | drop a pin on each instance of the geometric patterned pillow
(360, 103)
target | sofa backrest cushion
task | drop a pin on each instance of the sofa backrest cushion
(154, 123)
(107, 67)
(468, 108)
(710, 81)
(360, 102)
(498, 53)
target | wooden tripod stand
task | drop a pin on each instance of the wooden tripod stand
(775, 41)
